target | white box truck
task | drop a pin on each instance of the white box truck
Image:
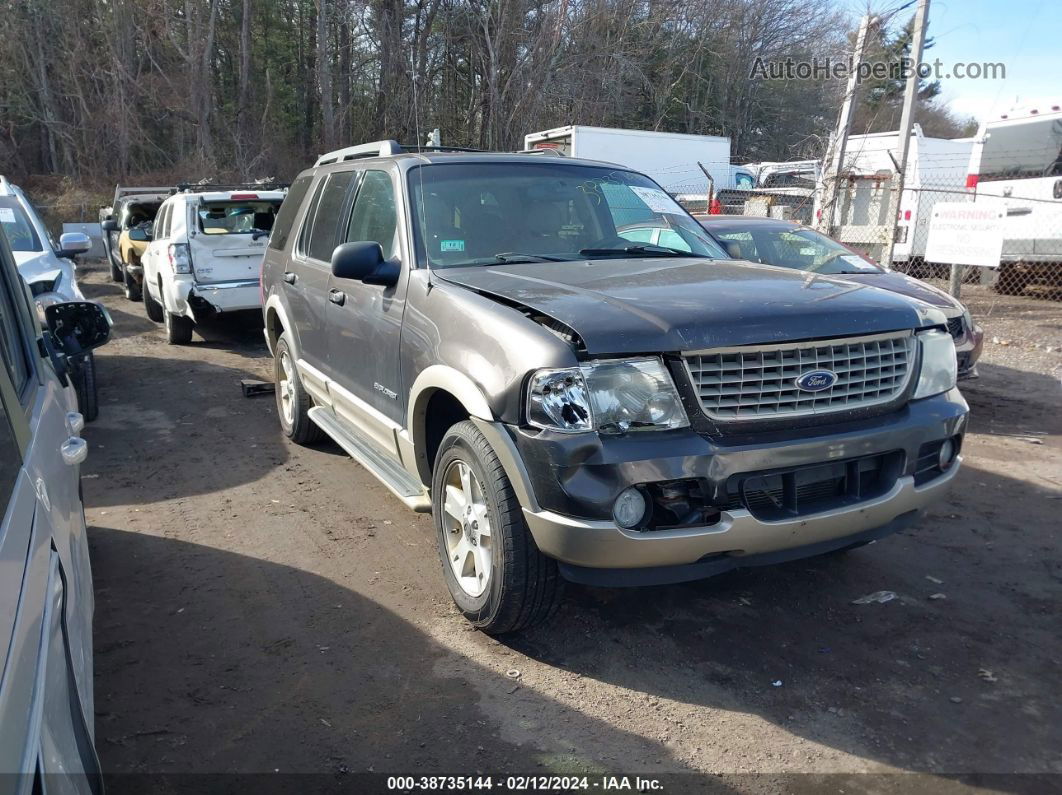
(669, 158)
(936, 171)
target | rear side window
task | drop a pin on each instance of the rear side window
(373, 216)
(288, 210)
(326, 217)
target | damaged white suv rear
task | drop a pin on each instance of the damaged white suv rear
(205, 255)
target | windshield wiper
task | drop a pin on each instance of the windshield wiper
(641, 251)
(509, 258)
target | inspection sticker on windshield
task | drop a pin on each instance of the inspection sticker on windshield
(656, 200)
(452, 245)
(7, 215)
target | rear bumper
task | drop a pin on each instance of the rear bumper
(201, 301)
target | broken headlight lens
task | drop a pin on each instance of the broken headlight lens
(608, 396)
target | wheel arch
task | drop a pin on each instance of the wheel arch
(440, 397)
(276, 323)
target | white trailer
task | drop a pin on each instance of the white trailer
(936, 171)
(1016, 165)
(669, 158)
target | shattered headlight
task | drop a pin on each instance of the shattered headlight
(610, 396)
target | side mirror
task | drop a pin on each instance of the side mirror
(110, 225)
(73, 243)
(78, 326)
(365, 262)
(140, 235)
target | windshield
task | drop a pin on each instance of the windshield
(493, 213)
(792, 247)
(20, 233)
(237, 217)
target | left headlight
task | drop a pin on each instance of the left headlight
(939, 366)
(608, 396)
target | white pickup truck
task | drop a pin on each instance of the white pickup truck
(205, 256)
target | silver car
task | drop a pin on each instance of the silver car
(46, 717)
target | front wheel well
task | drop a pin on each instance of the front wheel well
(274, 327)
(441, 412)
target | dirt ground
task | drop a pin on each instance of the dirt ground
(266, 608)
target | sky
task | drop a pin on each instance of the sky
(1021, 34)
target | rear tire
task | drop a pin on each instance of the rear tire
(521, 587)
(178, 329)
(293, 402)
(152, 307)
(85, 386)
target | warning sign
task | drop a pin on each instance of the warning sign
(965, 234)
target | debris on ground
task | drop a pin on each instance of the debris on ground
(987, 675)
(934, 580)
(513, 673)
(878, 597)
(937, 596)
(776, 683)
(254, 388)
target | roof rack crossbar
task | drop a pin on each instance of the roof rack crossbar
(207, 187)
(374, 149)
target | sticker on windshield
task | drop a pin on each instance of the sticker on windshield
(452, 245)
(7, 215)
(859, 263)
(656, 200)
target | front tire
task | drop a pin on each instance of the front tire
(497, 576)
(133, 290)
(85, 386)
(293, 402)
(178, 329)
(117, 274)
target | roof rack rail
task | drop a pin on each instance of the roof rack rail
(419, 148)
(209, 187)
(374, 149)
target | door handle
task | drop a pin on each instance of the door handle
(337, 297)
(290, 277)
(74, 450)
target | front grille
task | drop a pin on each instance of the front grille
(759, 382)
(955, 326)
(815, 488)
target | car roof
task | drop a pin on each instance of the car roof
(408, 160)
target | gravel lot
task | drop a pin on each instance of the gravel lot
(266, 608)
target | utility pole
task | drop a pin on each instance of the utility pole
(834, 161)
(918, 40)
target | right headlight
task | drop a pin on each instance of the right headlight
(939, 367)
(611, 396)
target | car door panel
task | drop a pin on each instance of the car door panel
(366, 327)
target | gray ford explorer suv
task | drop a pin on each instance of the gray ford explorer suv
(572, 405)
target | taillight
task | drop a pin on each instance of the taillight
(242, 197)
(907, 215)
(180, 258)
(972, 180)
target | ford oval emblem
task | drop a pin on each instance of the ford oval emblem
(816, 380)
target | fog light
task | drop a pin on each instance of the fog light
(947, 454)
(629, 508)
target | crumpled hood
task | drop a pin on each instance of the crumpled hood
(908, 286)
(681, 304)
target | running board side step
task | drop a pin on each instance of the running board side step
(390, 473)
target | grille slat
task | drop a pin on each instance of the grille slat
(759, 382)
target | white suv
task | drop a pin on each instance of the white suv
(205, 256)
